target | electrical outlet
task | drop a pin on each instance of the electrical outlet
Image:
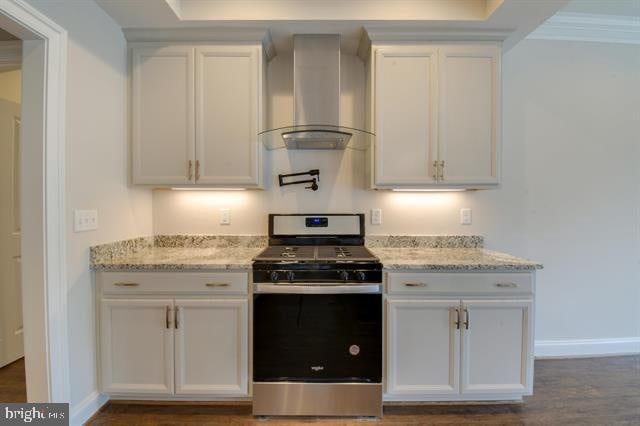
(85, 220)
(376, 216)
(465, 216)
(225, 217)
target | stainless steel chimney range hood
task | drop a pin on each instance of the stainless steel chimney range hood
(316, 100)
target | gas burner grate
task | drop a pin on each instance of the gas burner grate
(337, 253)
(287, 253)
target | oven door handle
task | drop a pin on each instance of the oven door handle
(317, 289)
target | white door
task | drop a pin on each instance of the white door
(405, 125)
(422, 347)
(212, 347)
(495, 346)
(469, 114)
(162, 102)
(227, 110)
(11, 336)
(136, 346)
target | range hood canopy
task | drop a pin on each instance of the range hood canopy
(316, 100)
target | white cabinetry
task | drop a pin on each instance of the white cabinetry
(196, 114)
(423, 350)
(154, 327)
(449, 340)
(211, 347)
(436, 114)
(136, 346)
(162, 114)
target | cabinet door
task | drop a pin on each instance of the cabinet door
(136, 346)
(469, 114)
(405, 127)
(495, 346)
(163, 115)
(212, 347)
(228, 81)
(422, 347)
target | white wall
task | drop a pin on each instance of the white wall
(570, 195)
(96, 166)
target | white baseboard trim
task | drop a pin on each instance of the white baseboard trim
(586, 347)
(83, 411)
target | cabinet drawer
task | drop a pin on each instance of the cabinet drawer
(462, 282)
(174, 282)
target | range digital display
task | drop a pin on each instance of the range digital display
(316, 222)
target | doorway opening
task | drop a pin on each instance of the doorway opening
(12, 373)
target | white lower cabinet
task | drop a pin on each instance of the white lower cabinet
(423, 349)
(152, 344)
(136, 346)
(211, 347)
(495, 346)
(442, 345)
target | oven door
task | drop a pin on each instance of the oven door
(319, 335)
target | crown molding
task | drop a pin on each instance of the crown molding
(589, 27)
(380, 34)
(203, 35)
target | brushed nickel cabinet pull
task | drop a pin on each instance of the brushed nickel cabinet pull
(190, 169)
(167, 317)
(176, 315)
(217, 284)
(415, 284)
(197, 169)
(441, 170)
(125, 284)
(467, 318)
(457, 319)
(435, 171)
(506, 285)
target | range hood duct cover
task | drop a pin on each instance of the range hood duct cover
(316, 100)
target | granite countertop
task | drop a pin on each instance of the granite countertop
(206, 252)
(446, 259)
(179, 252)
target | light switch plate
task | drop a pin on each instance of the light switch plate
(85, 220)
(225, 217)
(376, 216)
(466, 216)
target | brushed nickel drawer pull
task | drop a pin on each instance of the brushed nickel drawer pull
(467, 319)
(167, 317)
(190, 170)
(176, 316)
(415, 284)
(125, 284)
(217, 284)
(457, 319)
(506, 285)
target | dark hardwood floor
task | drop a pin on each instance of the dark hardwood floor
(12, 382)
(588, 391)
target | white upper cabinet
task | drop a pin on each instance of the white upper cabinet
(162, 106)
(196, 112)
(227, 81)
(468, 114)
(405, 97)
(436, 115)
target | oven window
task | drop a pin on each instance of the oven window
(317, 338)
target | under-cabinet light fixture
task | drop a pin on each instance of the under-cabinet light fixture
(428, 190)
(206, 189)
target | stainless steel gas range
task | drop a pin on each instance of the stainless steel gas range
(317, 323)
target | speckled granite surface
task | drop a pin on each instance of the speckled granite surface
(446, 259)
(176, 252)
(425, 241)
(209, 252)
